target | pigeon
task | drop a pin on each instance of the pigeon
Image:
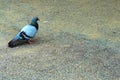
(25, 34)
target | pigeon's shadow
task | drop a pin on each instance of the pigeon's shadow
(42, 40)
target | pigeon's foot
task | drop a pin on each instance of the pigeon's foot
(31, 41)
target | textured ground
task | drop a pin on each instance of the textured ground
(77, 40)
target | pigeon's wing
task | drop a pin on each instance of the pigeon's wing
(17, 40)
(17, 36)
(29, 31)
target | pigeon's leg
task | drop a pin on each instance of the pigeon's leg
(30, 41)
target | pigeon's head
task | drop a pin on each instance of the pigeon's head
(34, 19)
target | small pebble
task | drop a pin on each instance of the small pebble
(45, 21)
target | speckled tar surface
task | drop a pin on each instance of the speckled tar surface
(77, 40)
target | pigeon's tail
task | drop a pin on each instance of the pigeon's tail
(14, 43)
